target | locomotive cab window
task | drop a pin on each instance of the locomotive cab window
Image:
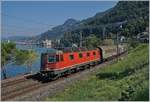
(61, 58)
(87, 54)
(80, 55)
(57, 58)
(71, 57)
(94, 53)
(51, 59)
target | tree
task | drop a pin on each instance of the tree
(3, 62)
(32, 56)
(92, 41)
(23, 57)
(7, 52)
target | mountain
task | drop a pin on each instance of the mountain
(57, 32)
(133, 15)
(124, 10)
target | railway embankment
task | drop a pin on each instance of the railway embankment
(127, 80)
(33, 87)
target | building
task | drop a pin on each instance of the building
(47, 43)
(143, 37)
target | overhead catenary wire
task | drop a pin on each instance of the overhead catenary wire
(7, 26)
(23, 29)
(13, 31)
(27, 20)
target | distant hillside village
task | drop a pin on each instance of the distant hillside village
(48, 43)
(141, 37)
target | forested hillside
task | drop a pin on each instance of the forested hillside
(135, 14)
(57, 32)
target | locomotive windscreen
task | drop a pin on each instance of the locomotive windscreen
(43, 56)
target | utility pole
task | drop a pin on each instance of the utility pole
(91, 31)
(117, 45)
(117, 42)
(80, 38)
(104, 32)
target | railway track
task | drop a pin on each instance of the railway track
(16, 87)
(34, 85)
(13, 82)
(19, 92)
(25, 89)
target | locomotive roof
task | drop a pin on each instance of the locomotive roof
(67, 50)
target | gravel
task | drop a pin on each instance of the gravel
(53, 87)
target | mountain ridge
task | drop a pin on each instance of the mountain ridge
(56, 32)
(136, 13)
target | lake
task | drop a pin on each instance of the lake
(14, 70)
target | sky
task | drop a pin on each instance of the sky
(30, 18)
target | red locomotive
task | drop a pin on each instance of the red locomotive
(59, 63)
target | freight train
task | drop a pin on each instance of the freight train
(54, 65)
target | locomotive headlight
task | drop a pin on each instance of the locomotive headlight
(47, 68)
(43, 74)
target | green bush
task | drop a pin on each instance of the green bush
(108, 42)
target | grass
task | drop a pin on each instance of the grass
(126, 80)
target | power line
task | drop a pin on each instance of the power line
(25, 20)
(22, 29)
(16, 26)
(14, 31)
(80, 38)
